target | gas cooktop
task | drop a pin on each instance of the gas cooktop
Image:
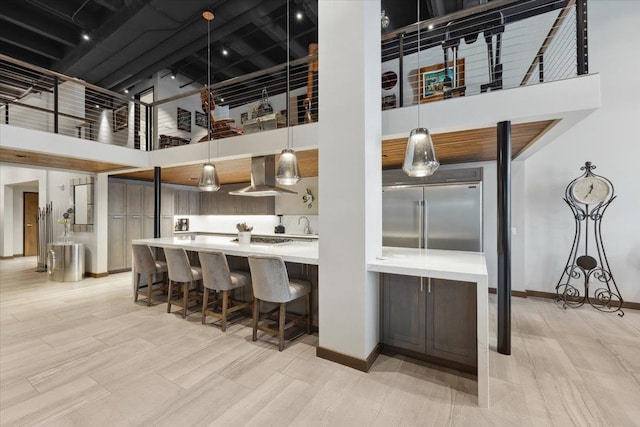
(269, 240)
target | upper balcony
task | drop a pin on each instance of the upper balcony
(456, 74)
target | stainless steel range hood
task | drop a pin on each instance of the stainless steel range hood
(263, 179)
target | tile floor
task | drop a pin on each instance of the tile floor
(83, 354)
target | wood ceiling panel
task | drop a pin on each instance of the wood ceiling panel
(473, 145)
(453, 147)
(30, 158)
(229, 171)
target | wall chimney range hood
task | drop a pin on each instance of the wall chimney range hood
(263, 179)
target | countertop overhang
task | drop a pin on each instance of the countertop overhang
(442, 264)
(301, 251)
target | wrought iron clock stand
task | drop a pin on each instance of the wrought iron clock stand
(606, 296)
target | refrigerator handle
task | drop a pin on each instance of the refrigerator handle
(422, 229)
(421, 225)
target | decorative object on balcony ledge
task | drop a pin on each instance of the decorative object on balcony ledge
(120, 118)
(287, 172)
(589, 196)
(184, 119)
(420, 156)
(209, 176)
(308, 198)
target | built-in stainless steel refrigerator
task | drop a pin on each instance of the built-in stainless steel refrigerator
(444, 215)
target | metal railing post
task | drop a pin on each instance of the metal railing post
(504, 237)
(55, 104)
(581, 37)
(401, 70)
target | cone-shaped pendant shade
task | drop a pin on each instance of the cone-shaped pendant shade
(420, 157)
(209, 178)
(287, 173)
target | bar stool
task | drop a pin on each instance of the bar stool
(181, 271)
(145, 264)
(271, 283)
(217, 277)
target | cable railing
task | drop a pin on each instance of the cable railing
(493, 46)
(246, 104)
(40, 99)
(497, 45)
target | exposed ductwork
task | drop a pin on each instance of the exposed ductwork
(263, 179)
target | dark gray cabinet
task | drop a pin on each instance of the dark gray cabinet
(435, 318)
(222, 203)
(116, 252)
(404, 320)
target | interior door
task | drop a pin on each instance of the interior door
(30, 224)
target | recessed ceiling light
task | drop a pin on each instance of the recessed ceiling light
(22, 156)
(225, 52)
(299, 16)
(430, 26)
(97, 106)
(193, 178)
(221, 99)
(126, 91)
(86, 37)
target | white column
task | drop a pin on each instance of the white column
(349, 174)
(100, 223)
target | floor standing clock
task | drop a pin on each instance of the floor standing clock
(589, 196)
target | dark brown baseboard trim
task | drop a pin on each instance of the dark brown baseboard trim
(350, 361)
(17, 255)
(519, 294)
(7, 257)
(96, 275)
(552, 295)
(391, 351)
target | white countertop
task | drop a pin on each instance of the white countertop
(301, 251)
(440, 264)
(281, 235)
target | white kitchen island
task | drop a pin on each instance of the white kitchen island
(451, 265)
(298, 251)
(439, 264)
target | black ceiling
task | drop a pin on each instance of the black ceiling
(132, 39)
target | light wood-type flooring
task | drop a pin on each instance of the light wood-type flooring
(84, 354)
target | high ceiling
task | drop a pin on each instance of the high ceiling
(129, 40)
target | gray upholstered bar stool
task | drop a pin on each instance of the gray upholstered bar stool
(271, 283)
(181, 271)
(145, 264)
(217, 277)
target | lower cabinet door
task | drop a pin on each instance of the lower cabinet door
(116, 253)
(403, 312)
(451, 321)
(134, 232)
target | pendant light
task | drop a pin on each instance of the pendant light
(420, 157)
(287, 172)
(209, 176)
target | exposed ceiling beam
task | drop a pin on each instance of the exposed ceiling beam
(245, 12)
(108, 5)
(19, 37)
(65, 10)
(17, 14)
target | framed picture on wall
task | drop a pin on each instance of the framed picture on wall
(201, 119)
(120, 118)
(432, 80)
(184, 119)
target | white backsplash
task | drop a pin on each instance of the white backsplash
(262, 224)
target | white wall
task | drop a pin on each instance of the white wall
(48, 185)
(610, 139)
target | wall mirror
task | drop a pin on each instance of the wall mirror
(82, 191)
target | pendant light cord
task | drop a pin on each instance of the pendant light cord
(288, 84)
(420, 82)
(209, 90)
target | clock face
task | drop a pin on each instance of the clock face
(590, 190)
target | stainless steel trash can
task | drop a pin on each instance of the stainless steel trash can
(65, 262)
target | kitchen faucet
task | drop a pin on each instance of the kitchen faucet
(307, 228)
